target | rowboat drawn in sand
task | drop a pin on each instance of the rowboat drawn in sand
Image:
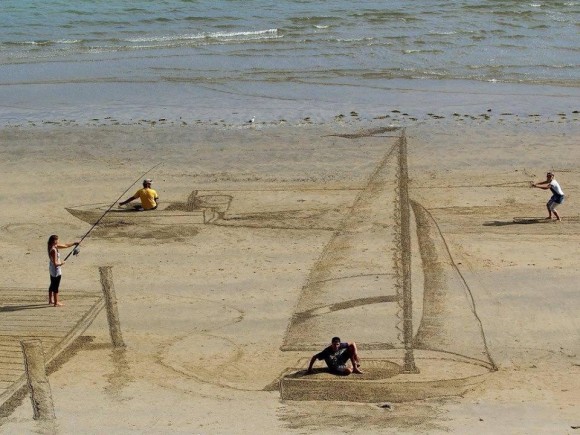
(198, 209)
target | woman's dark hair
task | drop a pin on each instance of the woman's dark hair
(51, 240)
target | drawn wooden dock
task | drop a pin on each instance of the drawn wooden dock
(25, 314)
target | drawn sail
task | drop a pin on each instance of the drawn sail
(361, 287)
(353, 288)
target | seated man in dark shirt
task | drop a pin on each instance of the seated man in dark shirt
(336, 356)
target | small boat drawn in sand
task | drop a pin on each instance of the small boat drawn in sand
(198, 209)
(219, 204)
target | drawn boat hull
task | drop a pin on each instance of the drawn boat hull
(166, 213)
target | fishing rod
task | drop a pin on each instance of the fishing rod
(76, 249)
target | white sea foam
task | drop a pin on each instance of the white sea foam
(211, 35)
(452, 32)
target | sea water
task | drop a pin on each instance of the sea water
(284, 60)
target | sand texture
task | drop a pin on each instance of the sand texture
(425, 245)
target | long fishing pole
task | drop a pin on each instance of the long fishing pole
(75, 251)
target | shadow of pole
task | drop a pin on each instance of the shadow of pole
(120, 377)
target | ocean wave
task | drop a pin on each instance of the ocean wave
(351, 39)
(434, 38)
(441, 33)
(68, 41)
(28, 43)
(313, 20)
(422, 51)
(268, 33)
(376, 15)
(156, 20)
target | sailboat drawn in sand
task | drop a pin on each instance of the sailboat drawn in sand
(422, 337)
(198, 209)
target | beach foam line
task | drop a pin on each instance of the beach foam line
(205, 36)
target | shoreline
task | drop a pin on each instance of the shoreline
(234, 104)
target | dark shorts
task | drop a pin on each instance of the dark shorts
(340, 366)
(554, 201)
(54, 283)
(140, 208)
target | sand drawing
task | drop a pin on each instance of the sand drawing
(196, 209)
(415, 326)
(385, 278)
(25, 315)
(361, 286)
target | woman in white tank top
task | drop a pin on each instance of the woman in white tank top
(54, 267)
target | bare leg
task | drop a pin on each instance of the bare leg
(549, 211)
(556, 214)
(50, 298)
(56, 302)
(354, 358)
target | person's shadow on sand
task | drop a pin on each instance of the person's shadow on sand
(517, 221)
(23, 307)
(315, 371)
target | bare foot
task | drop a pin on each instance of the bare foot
(357, 371)
(59, 304)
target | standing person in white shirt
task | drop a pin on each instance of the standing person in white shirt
(54, 267)
(557, 194)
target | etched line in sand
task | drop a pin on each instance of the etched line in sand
(450, 341)
(106, 275)
(38, 385)
(300, 317)
(405, 250)
(447, 324)
(221, 362)
(365, 234)
(25, 323)
(366, 133)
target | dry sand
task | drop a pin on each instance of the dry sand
(205, 309)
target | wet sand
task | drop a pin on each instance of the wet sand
(206, 308)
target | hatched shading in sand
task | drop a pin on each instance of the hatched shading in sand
(361, 284)
(197, 209)
(26, 314)
(354, 278)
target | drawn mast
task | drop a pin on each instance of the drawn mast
(407, 301)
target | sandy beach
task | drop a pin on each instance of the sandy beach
(208, 310)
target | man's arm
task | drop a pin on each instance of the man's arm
(128, 200)
(541, 185)
(312, 361)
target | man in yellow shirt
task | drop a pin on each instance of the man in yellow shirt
(147, 196)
